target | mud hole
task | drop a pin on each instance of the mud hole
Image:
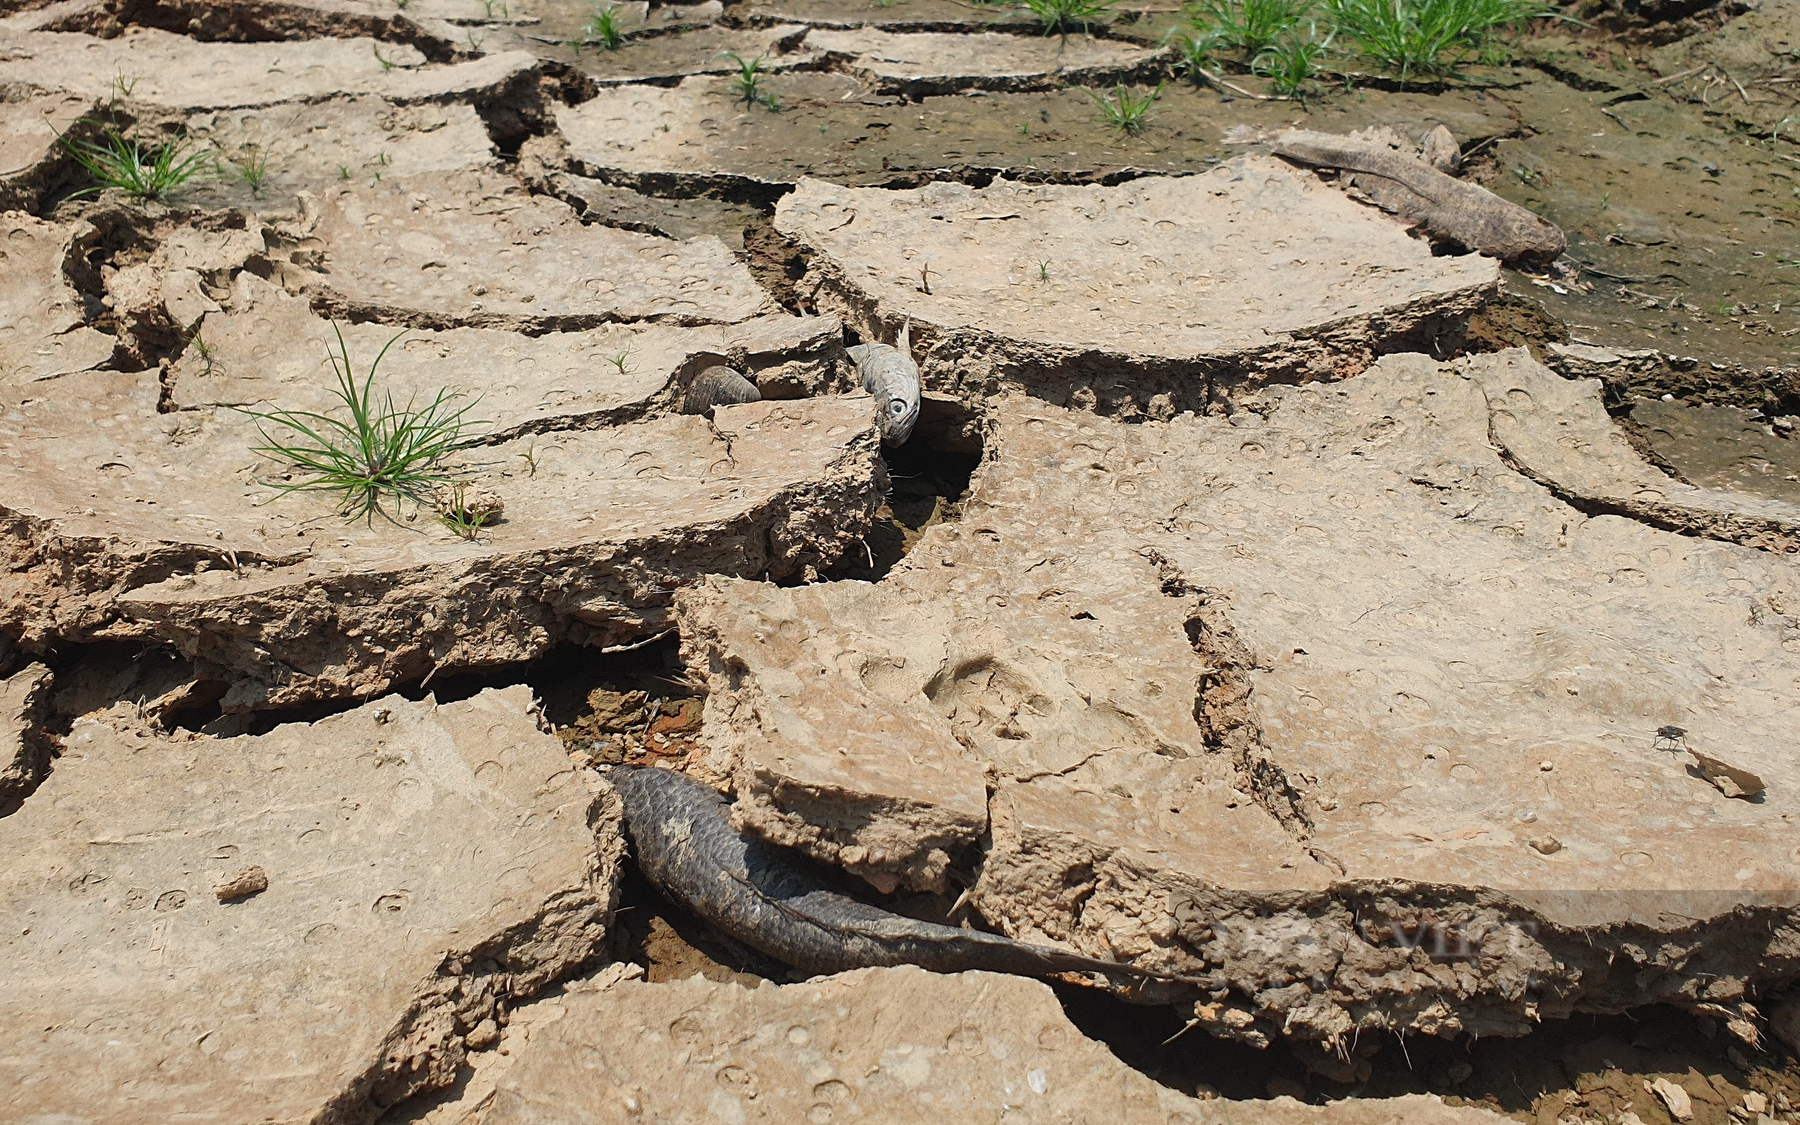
(572, 230)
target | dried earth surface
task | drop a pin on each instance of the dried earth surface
(154, 981)
(897, 1045)
(1240, 608)
(1168, 709)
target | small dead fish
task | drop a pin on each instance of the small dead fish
(718, 386)
(892, 376)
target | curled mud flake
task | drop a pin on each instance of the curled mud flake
(250, 880)
(1726, 778)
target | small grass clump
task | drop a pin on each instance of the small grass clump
(249, 167)
(381, 451)
(1060, 17)
(1291, 64)
(747, 82)
(1125, 111)
(1427, 37)
(1250, 26)
(603, 28)
(143, 173)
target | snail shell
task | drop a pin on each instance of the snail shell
(718, 386)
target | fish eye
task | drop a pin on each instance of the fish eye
(896, 407)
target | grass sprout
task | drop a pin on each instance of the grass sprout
(1251, 26)
(1291, 64)
(603, 28)
(1194, 52)
(250, 168)
(1125, 111)
(747, 82)
(1428, 37)
(380, 451)
(194, 342)
(144, 173)
(1060, 17)
(466, 512)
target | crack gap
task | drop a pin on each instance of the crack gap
(930, 483)
(1223, 711)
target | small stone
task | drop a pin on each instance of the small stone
(1545, 845)
(1546, 766)
(1680, 1105)
(483, 1035)
(468, 505)
(1756, 1103)
(251, 880)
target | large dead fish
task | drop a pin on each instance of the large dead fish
(1443, 206)
(761, 895)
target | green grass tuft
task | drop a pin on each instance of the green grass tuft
(1292, 63)
(1427, 37)
(250, 168)
(747, 82)
(380, 452)
(1250, 26)
(603, 28)
(1125, 111)
(115, 162)
(1060, 17)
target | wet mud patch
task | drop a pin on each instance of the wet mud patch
(1724, 446)
(1679, 223)
(699, 137)
(1587, 1068)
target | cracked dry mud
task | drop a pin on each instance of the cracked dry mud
(1250, 728)
(1291, 637)
(142, 994)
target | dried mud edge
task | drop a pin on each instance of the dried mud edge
(1392, 956)
(976, 365)
(1377, 955)
(1764, 534)
(352, 635)
(1775, 390)
(253, 21)
(427, 1044)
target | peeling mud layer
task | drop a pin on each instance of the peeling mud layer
(474, 248)
(123, 523)
(270, 349)
(174, 72)
(43, 332)
(152, 981)
(1132, 300)
(1241, 730)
